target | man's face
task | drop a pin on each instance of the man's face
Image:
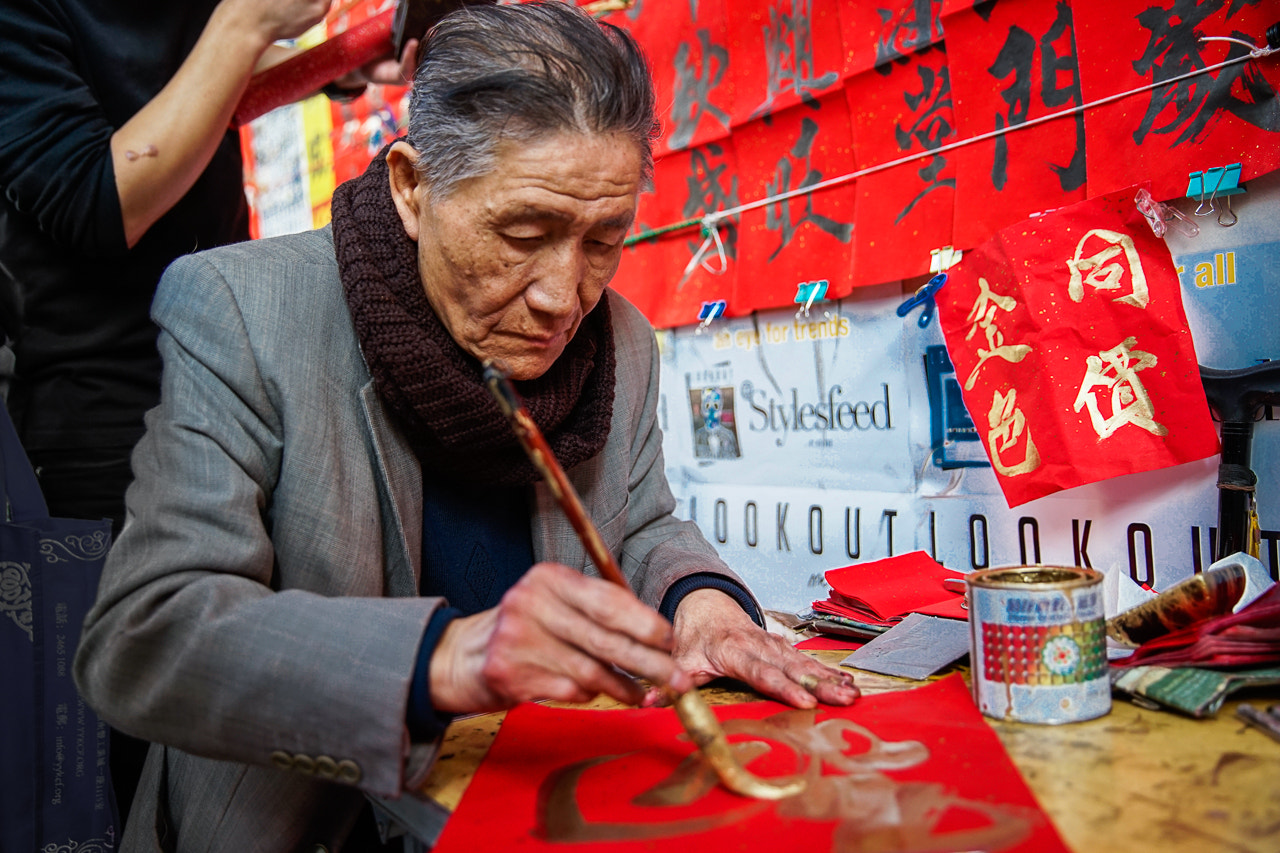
(512, 261)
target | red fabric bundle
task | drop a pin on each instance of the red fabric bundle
(1248, 638)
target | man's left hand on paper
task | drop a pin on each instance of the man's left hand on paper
(716, 638)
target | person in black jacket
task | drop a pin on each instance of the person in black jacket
(116, 157)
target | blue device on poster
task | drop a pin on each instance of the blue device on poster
(953, 436)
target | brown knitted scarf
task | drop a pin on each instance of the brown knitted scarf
(434, 388)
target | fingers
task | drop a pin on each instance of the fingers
(570, 677)
(770, 665)
(603, 621)
(606, 605)
(275, 21)
(391, 70)
(409, 59)
(555, 635)
(830, 686)
(715, 637)
(526, 661)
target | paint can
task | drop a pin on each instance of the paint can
(1038, 650)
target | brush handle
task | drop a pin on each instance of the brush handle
(542, 457)
(698, 719)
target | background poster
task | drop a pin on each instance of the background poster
(806, 493)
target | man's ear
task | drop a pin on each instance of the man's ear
(404, 185)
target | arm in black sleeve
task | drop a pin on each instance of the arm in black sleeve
(55, 158)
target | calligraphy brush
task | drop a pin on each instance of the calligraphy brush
(694, 714)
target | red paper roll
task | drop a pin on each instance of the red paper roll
(301, 75)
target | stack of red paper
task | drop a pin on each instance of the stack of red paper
(883, 592)
(1248, 638)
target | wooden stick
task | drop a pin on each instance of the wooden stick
(698, 720)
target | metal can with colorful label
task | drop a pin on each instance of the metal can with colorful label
(1038, 650)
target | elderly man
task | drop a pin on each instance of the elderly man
(334, 542)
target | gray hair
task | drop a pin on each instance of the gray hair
(492, 73)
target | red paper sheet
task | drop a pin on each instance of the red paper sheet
(830, 643)
(1072, 349)
(1012, 62)
(876, 34)
(687, 48)
(1227, 116)
(802, 239)
(784, 52)
(911, 770)
(882, 592)
(906, 211)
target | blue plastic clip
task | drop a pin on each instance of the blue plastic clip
(710, 311)
(924, 296)
(809, 292)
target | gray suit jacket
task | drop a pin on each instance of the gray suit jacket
(259, 616)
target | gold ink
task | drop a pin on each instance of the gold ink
(1007, 426)
(560, 818)
(695, 778)
(1101, 271)
(983, 316)
(1116, 370)
(844, 766)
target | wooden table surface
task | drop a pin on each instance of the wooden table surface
(1135, 780)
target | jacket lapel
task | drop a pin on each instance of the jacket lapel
(399, 497)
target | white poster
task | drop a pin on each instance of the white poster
(797, 453)
(280, 188)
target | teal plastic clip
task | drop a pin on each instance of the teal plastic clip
(1208, 185)
(1221, 180)
(809, 292)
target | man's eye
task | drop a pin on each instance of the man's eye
(523, 239)
(604, 243)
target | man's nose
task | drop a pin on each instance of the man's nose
(560, 276)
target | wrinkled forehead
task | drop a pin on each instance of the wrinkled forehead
(567, 174)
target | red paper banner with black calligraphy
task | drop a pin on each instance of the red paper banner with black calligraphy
(915, 769)
(1230, 115)
(876, 34)
(805, 238)
(783, 53)
(1071, 346)
(673, 274)
(686, 45)
(1012, 62)
(906, 211)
